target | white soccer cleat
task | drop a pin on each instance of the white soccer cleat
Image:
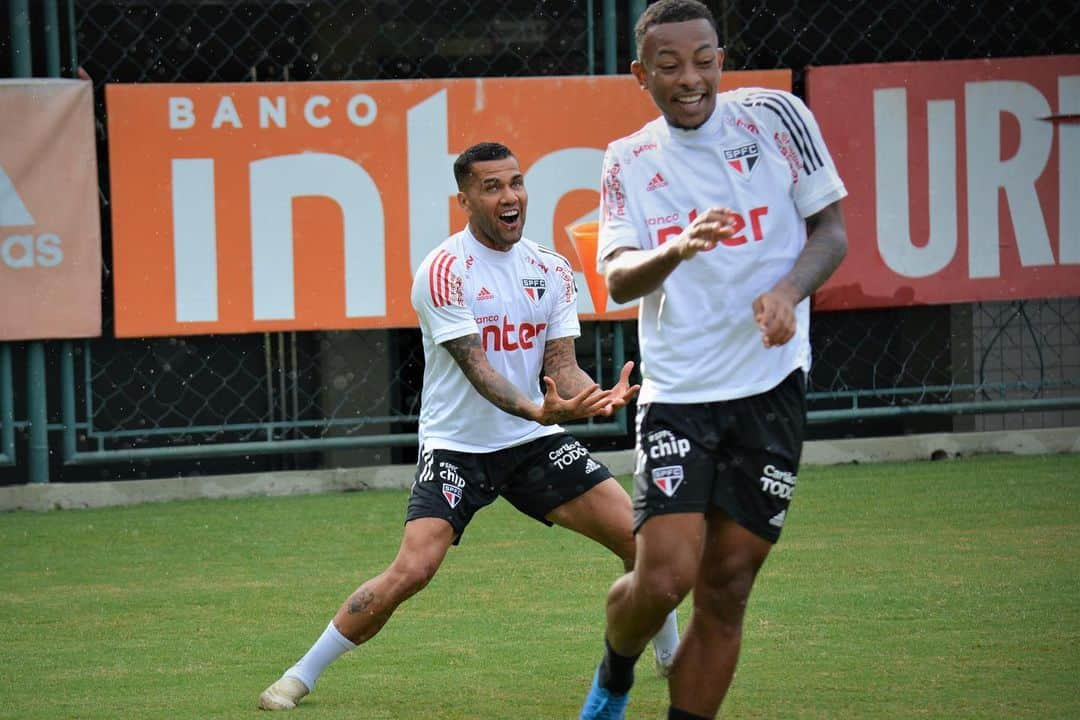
(283, 695)
(664, 661)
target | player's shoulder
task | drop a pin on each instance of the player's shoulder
(645, 138)
(542, 257)
(447, 253)
(768, 105)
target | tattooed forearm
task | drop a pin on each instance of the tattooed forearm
(560, 364)
(826, 246)
(469, 354)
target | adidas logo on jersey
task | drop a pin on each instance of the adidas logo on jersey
(591, 465)
(656, 183)
(484, 294)
(777, 520)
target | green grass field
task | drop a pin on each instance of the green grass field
(924, 590)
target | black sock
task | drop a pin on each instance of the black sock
(674, 713)
(617, 671)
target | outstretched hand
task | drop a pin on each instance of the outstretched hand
(622, 392)
(587, 403)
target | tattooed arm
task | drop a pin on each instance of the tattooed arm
(826, 245)
(469, 354)
(560, 364)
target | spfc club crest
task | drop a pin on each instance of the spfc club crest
(534, 288)
(743, 159)
(668, 479)
(452, 493)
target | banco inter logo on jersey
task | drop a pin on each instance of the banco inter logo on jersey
(668, 478)
(743, 159)
(534, 288)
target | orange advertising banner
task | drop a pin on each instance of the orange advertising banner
(964, 178)
(304, 206)
(50, 229)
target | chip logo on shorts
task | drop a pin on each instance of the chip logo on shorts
(668, 478)
(452, 493)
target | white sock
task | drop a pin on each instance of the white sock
(667, 640)
(329, 647)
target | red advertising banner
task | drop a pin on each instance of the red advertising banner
(964, 179)
(50, 230)
(301, 206)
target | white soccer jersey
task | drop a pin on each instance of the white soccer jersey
(760, 154)
(516, 301)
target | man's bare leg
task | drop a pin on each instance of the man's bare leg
(366, 610)
(710, 649)
(605, 514)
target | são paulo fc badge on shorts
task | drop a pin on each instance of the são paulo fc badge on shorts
(743, 159)
(668, 478)
(452, 493)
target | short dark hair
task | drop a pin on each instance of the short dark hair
(669, 11)
(480, 152)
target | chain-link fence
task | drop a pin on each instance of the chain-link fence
(882, 371)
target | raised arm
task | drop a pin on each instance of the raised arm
(826, 246)
(635, 273)
(494, 387)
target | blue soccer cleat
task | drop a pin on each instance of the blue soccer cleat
(602, 704)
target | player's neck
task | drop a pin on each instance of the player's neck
(494, 244)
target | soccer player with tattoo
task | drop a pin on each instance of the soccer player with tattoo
(723, 216)
(496, 310)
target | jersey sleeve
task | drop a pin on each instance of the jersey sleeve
(439, 299)
(617, 228)
(819, 183)
(796, 133)
(564, 318)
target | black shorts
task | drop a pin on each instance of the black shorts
(740, 455)
(535, 477)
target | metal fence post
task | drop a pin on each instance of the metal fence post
(636, 8)
(37, 411)
(52, 38)
(19, 17)
(67, 399)
(7, 408)
(610, 38)
(590, 38)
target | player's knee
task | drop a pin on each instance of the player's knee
(413, 574)
(664, 590)
(723, 596)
